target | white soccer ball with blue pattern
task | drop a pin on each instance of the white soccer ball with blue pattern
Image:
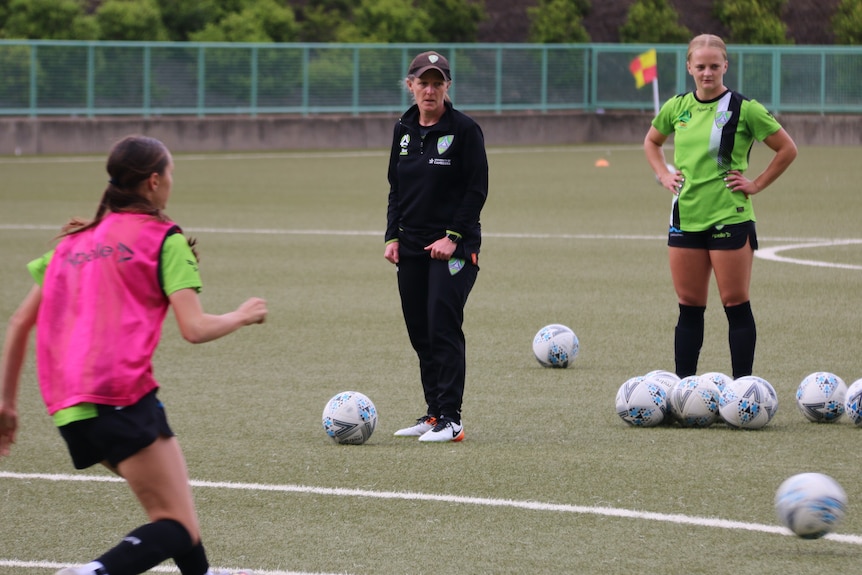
(693, 402)
(771, 402)
(641, 402)
(820, 397)
(749, 402)
(349, 418)
(555, 345)
(853, 403)
(720, 380)
(666, 378)
(810, 504)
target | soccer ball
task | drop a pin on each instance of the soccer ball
(555, 345)
(853, 403)
(748, 403)
(349, 418)
(693, 402)
(641, 402)
(718, 379)
(667, 379)
(820, 397)
(771, 401)
(810, 504)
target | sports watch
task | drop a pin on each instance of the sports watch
(454, 238)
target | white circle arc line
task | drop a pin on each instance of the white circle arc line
(772, 254)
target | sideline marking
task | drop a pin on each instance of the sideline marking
(413, 496)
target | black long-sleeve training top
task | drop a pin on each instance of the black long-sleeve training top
(437, 183)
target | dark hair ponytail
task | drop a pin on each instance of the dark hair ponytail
(131, 161)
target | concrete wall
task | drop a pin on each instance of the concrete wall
(48, 135)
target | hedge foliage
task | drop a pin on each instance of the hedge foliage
(550, 21)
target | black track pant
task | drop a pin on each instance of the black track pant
(433, 299)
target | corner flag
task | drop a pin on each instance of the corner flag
(644, 68)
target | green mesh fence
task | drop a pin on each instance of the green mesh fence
(150, 78)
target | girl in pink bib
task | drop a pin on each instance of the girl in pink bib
(98, 305)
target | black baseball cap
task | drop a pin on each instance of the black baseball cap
(429, 61)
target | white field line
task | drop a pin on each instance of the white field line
(675, 518)
(763, 253)
(772, 253)
(160, 569)
(367, 233)
(802, 242)
(381, 153)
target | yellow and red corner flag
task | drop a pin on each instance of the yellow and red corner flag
(644, 68)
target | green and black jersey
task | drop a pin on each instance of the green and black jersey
(710, 138)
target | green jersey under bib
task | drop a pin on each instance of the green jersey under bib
(710, 138)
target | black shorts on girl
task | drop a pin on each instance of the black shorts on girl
(727, 237)
(117, 433)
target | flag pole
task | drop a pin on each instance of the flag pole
(656, 103)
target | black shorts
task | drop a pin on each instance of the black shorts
(729, 237)
(117, 433)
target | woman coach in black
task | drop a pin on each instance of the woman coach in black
(438, 183)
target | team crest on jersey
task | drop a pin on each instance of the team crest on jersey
(722, 118)
(443, 143)
(405, 141)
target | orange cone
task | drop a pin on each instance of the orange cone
(602, 163)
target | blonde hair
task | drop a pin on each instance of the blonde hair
(706, 41)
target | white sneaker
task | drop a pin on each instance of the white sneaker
(423, 424)
(445, 430)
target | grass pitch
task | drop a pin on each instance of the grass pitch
(549, 479)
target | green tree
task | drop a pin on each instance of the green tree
(49, 20)
(235, 27)
(388, 21)
(653, 22)
(226, 7)
(847, 22)
(322, 20)
(455, 20)
(131, 20)
(4, 11)
(183, 18)
(263, 21)
(558, 21)
(753, 21)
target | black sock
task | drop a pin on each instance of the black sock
(688, 339)
(742, 336)
(146, 547)
(194, 562)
